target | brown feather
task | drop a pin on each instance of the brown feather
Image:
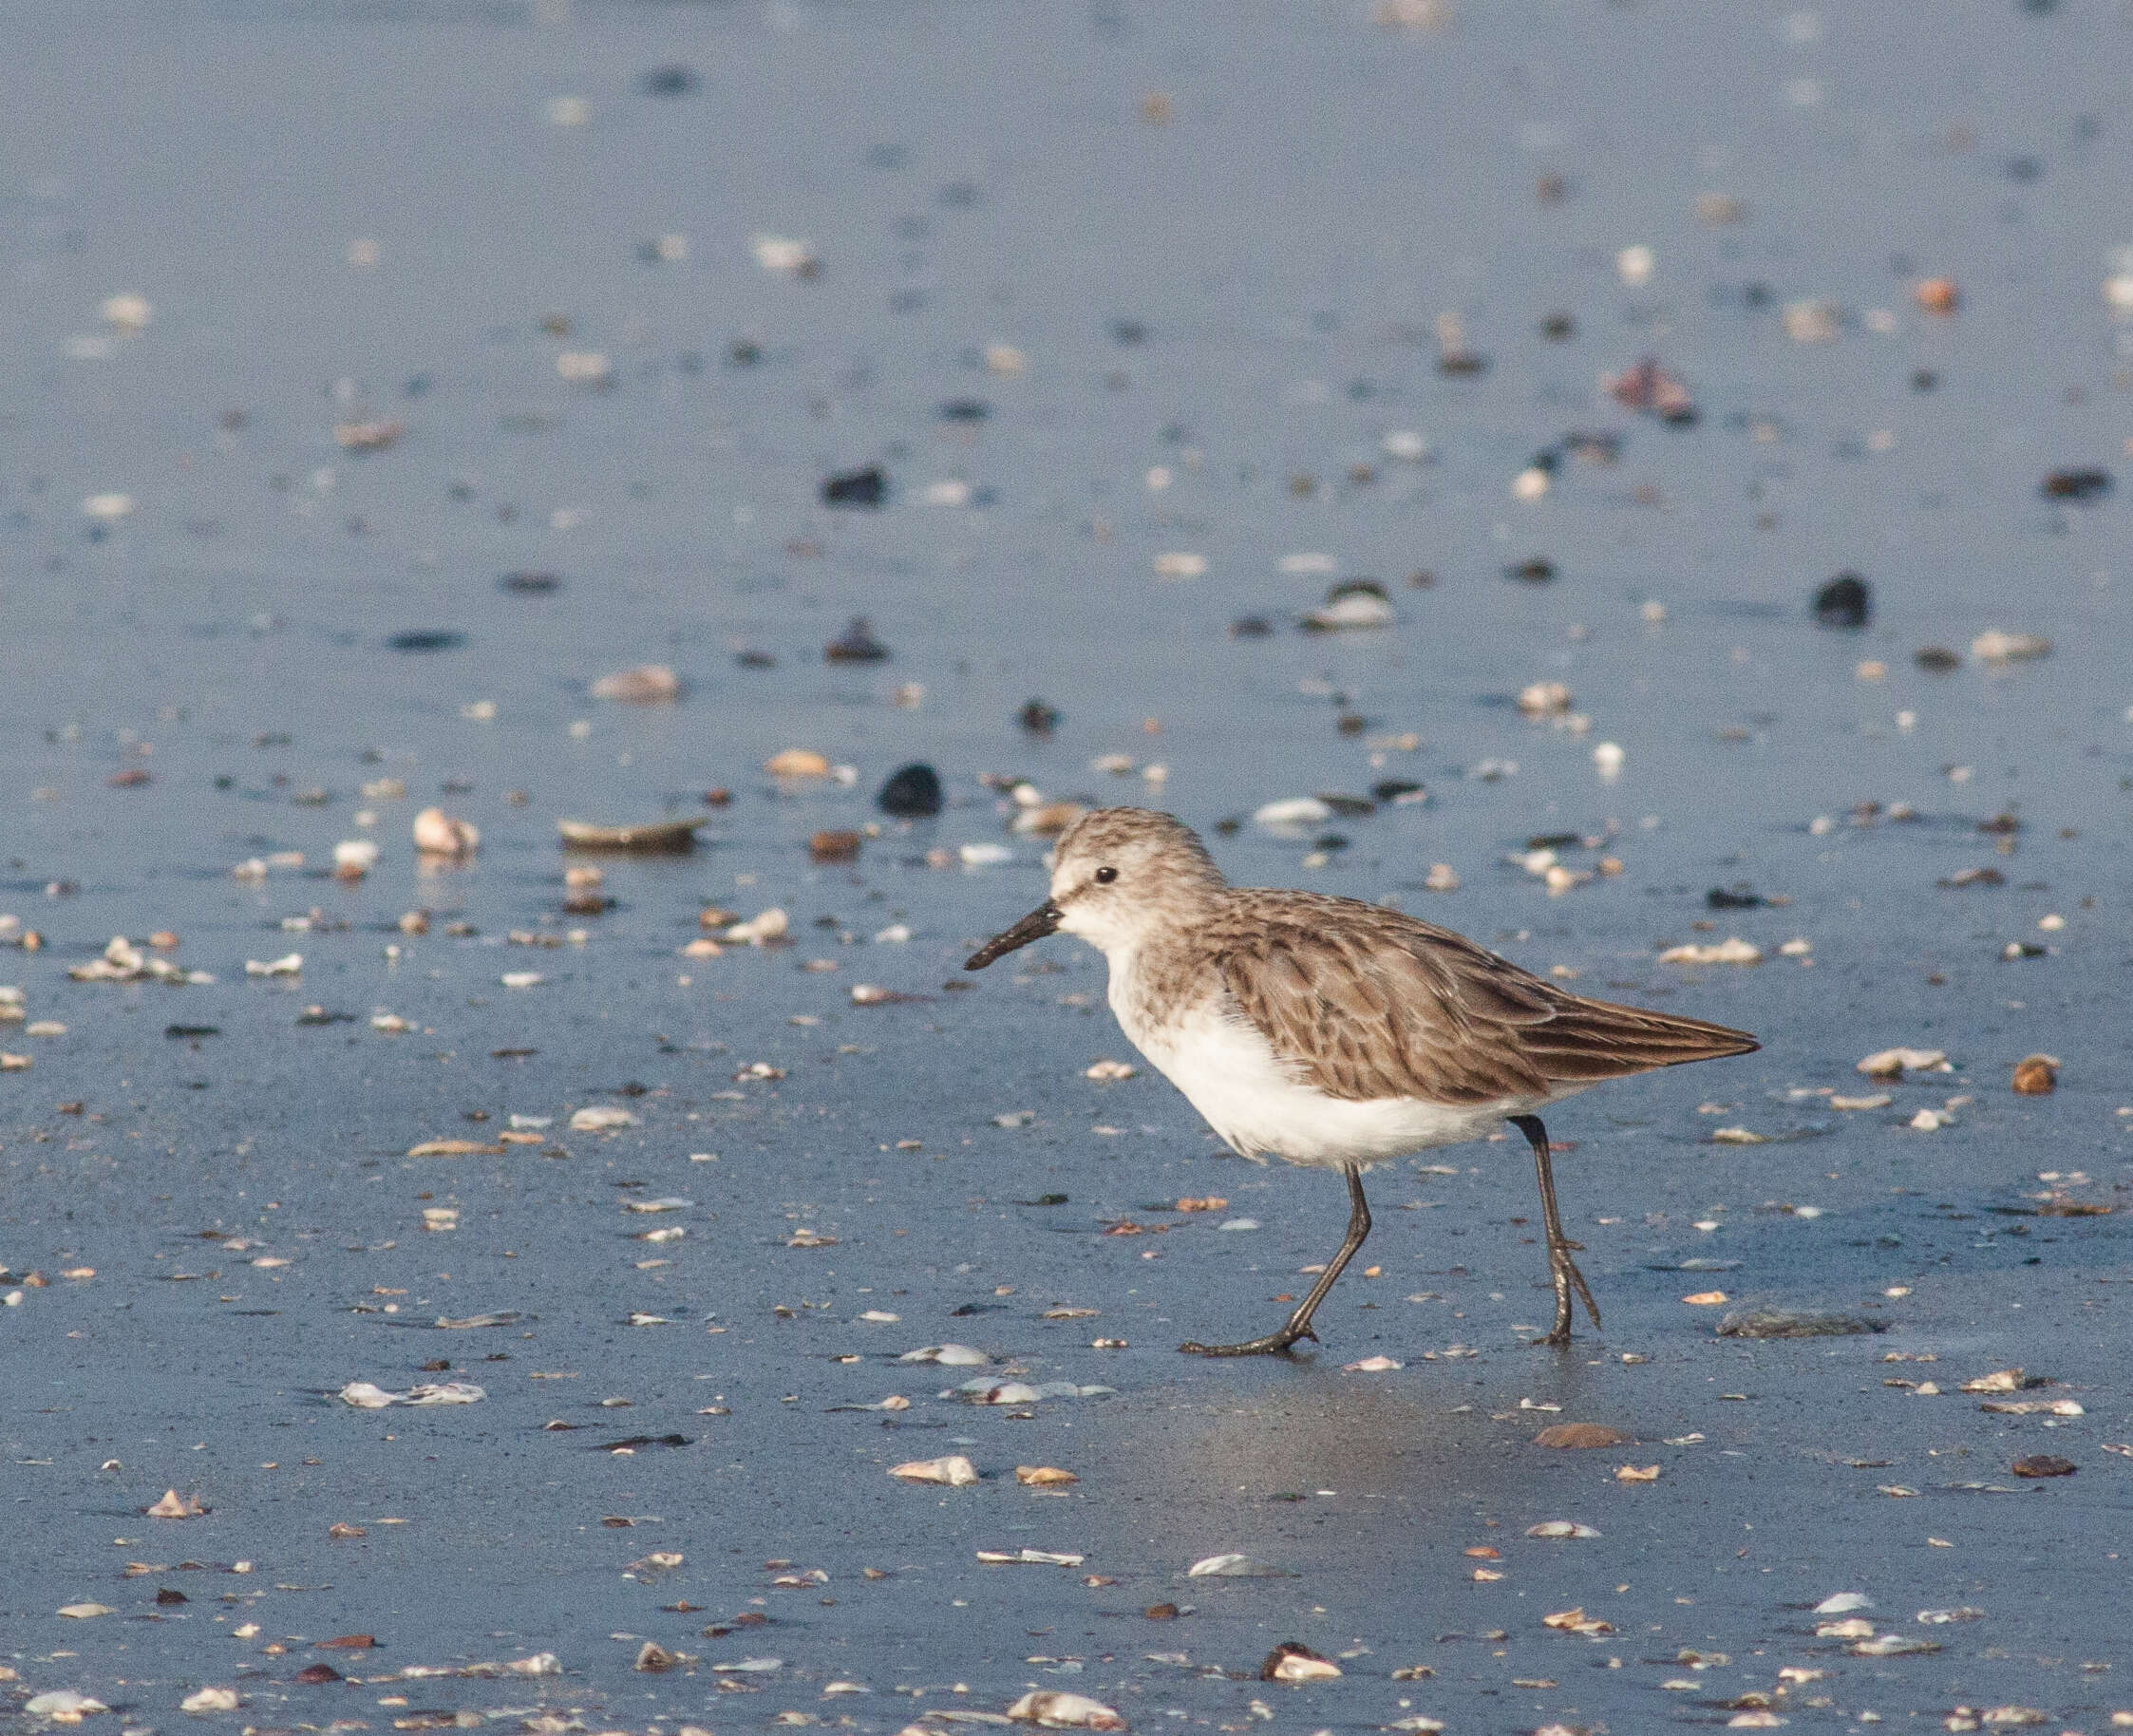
(1369, 1003)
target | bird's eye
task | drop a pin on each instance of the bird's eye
(1106, 875)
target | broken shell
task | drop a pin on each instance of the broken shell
(438, 834)
(1895, 1063)
(797, 763)
(1232, 1566)
(1359, 603)
(1294, 1662)
(1057, 1710)
(354, 858)
(1544, 699)
(2036, 1075)
(64, 1706)
(1580, 1434)
(948, 1356)
(658, 834)
(761, 929)
(174, 1506)
(1560, 1528)
(1732, 951)
(210, 1700)
(954, 1470)
(1995, 646)
(649, 684)
(1043, 1476)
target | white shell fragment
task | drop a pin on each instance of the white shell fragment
(438, 834)
(1028, 1557)
(954, 1470)
(761, 929)
(948, 1356)
(289, 964)
(786, 254)
(64, 1706)
(1844, 1603)
(1296, 1667)
(1232, 1566)
(1995, 645)
(1895, 1063)
(364, 1396)
(600, 1118)
(649, 684)
(1731, 951)
(210, 1700)
(1560, 1528)
(1056, 1711)
(1544, 699)
(1292, 813)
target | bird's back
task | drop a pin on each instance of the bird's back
(1368, 1003)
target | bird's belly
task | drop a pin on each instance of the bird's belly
(1230, 1073)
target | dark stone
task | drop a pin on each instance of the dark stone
(911, 793)
(170, 1593)
(1845, 601)
(867, 487)
(2077, 484)
(1784, 1322)
(1719, 898)
(1534, 572)
(856, 644)
(187, 1032)
(1252, 627)
(675, 81)
(1394, 790)
(1558, 327)
(1128, 332)
(312, 1674)
(1038, 717)
(1938, 660)
(2043, 1465)
(965, 409)
(755, 660)
(427, 641)
(530, 584)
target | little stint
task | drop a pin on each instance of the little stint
(1333, 1033)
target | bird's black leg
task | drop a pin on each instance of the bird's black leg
(1561, 1268)
(1298, 1324)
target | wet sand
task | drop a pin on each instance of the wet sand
(1220, 242)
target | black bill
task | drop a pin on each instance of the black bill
(1044, 920)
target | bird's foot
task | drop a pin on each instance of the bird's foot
(1273, 1344)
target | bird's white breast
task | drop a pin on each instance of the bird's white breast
(1259, 1104)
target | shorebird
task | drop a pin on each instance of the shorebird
(1333, 1033)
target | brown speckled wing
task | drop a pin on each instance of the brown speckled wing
(1372, 1004)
